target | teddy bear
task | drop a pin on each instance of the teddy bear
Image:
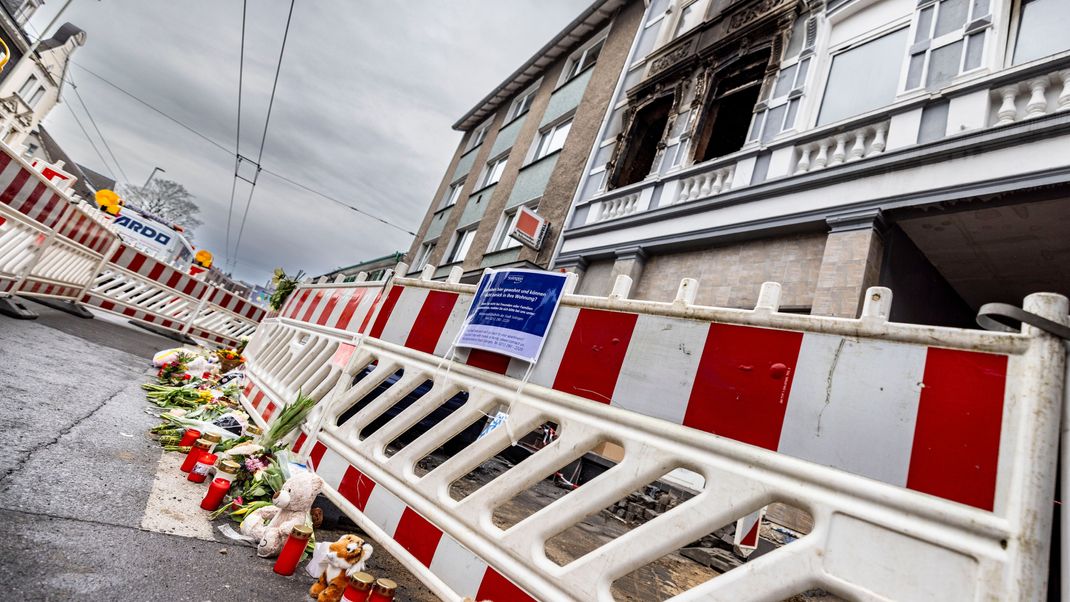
(271, 525)
(333, 563)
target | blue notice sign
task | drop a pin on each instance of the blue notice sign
(512, 312)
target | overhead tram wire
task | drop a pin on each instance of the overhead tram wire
(231, 152)
(90, 139)
(237, 133)
(99, 133)
(263, 137)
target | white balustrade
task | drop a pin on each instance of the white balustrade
(705, 184)
(614, 208)
(1033, 96)
(840, 148)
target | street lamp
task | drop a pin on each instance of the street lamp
(154, 170)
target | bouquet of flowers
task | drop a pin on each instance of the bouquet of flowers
(229, 359)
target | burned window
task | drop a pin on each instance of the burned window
(733, 94)
(643, 140)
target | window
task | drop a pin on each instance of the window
(1041, 29)
(584, 58)
(863, 78)
(479, 136)
(782, 93)
(730, 105)
(494, 171)
(522, 103)
(502, 240)
(423, 255)
(36, 97)
(552, 140)
(462, 241)
(948, 39)
(452, 195)
(690, 16)
(27, 88)
(641, 145)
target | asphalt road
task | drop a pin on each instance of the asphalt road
(77, 468)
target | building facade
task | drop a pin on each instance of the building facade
(526, 145)
(831, 146)
(375, 269)
(32, 79)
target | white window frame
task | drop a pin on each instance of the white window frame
(1018, 8)
(461, 246)
(546, 137)
(701, 6)
(578, 61)
(452, 195)
(501, 240)
(36, 98)
(426, 249)
(478, 135)
(27, 88)
(803, 62)
(492, 173)
(522, 103)
(973, 24)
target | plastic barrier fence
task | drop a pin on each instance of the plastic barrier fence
(52, 248)
(926, 456)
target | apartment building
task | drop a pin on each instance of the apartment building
(830, 146)
(525, 145)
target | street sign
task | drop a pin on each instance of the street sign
(529, 228)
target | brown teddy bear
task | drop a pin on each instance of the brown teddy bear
(333, 563)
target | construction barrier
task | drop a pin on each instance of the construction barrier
(54, 248)
(926, 456)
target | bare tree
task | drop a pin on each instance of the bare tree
(167, 200)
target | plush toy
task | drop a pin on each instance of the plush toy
(333, 563)
(271, 525)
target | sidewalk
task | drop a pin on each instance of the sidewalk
(77, 468)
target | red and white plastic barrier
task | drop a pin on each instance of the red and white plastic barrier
(51, 247)
(925, 455)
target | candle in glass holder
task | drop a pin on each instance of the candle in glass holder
(201, 446)
(189, 437)
(292, 550)
(383, 591)
(359, 587)
(202, 467)
(216, 490)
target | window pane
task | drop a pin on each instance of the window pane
(952, 16)
(789, 120)
(689, 18)
(1042, 30)
(557, 140)
(925, 23)
(943, 65)
(797, 39)
(863, 78)
(784, 81)
(980, 9)
(756, 126)
(800, 79)
(773, 122)
(592, 54)
(914, 71)
(975, 47)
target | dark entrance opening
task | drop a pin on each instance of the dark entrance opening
(647, 129)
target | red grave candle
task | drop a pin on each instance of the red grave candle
(189, 437)
(200, 447)
(292, 550)
(359, 587)
(383, 591)
(216, 490)
(201, 468)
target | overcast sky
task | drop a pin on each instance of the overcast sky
(365, 101)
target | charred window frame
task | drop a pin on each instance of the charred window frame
(641, 143)
(729, 104)
(782, 92)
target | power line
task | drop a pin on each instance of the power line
(90, 139)
(334, 200)
(231, 152)
(237, 134)
(263, 138)
(99, 133)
